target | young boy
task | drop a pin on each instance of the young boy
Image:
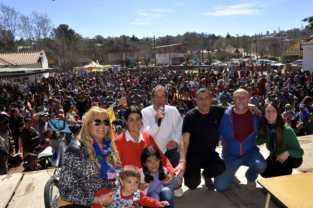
(128, 195)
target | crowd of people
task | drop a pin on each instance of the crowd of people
(133, 136)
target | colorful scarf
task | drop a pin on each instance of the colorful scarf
(105, 158)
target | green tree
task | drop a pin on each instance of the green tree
(309, 20)
(66, 46)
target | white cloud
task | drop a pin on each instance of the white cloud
(243, 9)
(147, 16)
(140, 22)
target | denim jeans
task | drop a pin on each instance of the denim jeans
(166, 194)
(167, 191)
(253, 160)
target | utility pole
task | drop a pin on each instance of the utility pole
(256, 47)
(154, 51)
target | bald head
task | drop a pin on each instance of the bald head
(241, 101)
(241, 91)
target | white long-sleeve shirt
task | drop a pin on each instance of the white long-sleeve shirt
(170, 128)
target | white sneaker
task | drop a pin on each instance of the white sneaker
(178, 192)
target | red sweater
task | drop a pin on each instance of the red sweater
(130, 152)
(243, 125)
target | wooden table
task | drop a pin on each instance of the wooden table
(30, 191)
(294, 191)
(8, 185)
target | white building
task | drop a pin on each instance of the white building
(169, 58)
(308, 55)
(27, 66)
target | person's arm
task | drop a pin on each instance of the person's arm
(116, 155)
(294, 148)
(177, 128)
(184, 144)
(151, 202)
(149, 123)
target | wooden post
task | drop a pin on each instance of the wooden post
(268, 200)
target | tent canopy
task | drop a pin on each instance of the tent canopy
(93, 66)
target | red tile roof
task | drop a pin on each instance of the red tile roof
(20, 58)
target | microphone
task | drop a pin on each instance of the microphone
(162, 110)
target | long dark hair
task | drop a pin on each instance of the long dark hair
(146, 153)
(280, 124)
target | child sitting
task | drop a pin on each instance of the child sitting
(127, 194)
(161, 184)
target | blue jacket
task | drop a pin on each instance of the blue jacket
(232, 148)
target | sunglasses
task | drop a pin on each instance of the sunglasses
(98, 122)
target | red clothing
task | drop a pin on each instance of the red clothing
(130, 152)
(100, 192)
(243, 125)
(143, 201)
(148, 201)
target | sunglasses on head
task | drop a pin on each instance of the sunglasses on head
(98, 122)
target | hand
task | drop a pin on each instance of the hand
(180, 168)
(171, 145)
(299, 125)
(168, 178)
(143, 186)
(164, 204)
(159, 115)
(117, 160)
(282, 157)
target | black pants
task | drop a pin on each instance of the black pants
(173, 156)
(211, 164)
(3, 162)
(275, 168)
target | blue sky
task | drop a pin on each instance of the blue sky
(145, 18)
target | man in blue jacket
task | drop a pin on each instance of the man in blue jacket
(238, 130)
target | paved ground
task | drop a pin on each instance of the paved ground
(26, 189)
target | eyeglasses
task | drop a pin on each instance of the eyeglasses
(98, 122)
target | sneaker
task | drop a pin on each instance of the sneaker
(178, 192)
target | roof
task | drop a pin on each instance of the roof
(167, 46)
(22, 71)
(26, 58)
(4, 62)
(7, 69)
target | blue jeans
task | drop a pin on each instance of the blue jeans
(254, 161)
(166, 194)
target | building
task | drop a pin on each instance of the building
(308, 55)
(27, 66)
(170, 54)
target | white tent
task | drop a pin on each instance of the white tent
(93, 66)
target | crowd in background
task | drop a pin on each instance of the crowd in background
(26, 108)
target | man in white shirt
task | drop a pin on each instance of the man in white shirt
(164, 123)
